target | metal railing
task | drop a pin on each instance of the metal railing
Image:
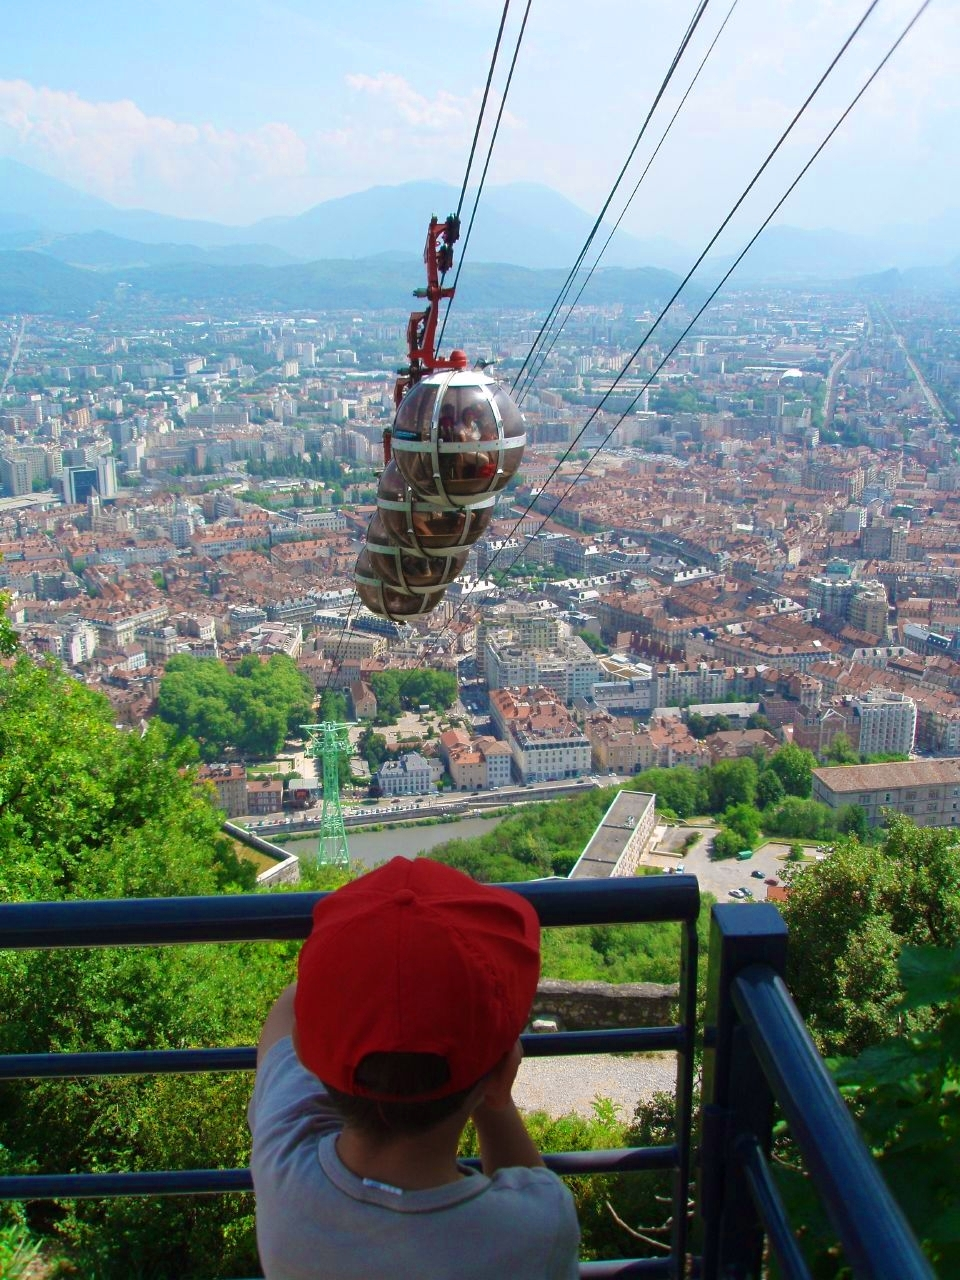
(758, 1054)
(272, 917)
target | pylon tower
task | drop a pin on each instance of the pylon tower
(329, 742)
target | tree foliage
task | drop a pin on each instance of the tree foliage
(732, 782)
(851, 915)
(794, 766)
(682, 790)
(397, 691)
(253, 708)
(91, 812)
(905, 1092)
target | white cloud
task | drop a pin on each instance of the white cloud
(442, 113)
(117, 151)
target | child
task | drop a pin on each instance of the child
(412, 990)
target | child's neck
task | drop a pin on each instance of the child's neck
(412, 1163)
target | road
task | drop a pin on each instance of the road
(14, 355)
(409, 808)
(936, 408)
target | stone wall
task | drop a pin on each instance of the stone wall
(286, 868)
(585, 1006)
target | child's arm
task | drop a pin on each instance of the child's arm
(504, 1141)
(279, 1022)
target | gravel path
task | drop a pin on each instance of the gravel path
(562, 1085)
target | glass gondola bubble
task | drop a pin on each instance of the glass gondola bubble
(424, 527)
(457, 437)
(387, 601)
(406, 570)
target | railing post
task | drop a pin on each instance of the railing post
(736, 1099)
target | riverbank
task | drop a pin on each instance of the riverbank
(405, 841)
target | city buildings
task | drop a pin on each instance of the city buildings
(926, 791)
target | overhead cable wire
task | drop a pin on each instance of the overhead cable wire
(726, 276)
(483, 106)
(566, 286)
(486, 166)
(334, 667)
(713, 293)
(711, 242)
(544, 356)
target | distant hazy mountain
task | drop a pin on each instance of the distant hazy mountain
(789, 254)
(100, 250)
(38, 283)
(521, 223)
(524, 224)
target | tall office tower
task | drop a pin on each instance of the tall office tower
(107, 478)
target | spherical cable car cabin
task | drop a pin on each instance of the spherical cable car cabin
(457, 438)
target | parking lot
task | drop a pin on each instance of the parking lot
(717, 878)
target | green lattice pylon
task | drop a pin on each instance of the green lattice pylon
(329, 742)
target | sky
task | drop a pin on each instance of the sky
(234, 110)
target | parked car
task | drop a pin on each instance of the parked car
(679, 869)
(771, 881)
(746, 893)
(757, 875)
(736, 893)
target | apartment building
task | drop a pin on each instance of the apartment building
(410, 775)
(230, 781)
(887, 722)
(927, 791)
(621, 838)
(544, 742)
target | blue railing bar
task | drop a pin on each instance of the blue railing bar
(176, 1182)
(650, 1267)
(619, 1160)
(262, 917)
(616, 1040)
(92, 1186)
(876, 1237)
(137, 1062)
(129, 1062)
(773, 1215)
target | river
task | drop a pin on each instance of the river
(371, 847)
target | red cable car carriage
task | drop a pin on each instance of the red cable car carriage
(390, 602)
(456, 440)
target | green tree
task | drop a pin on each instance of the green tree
(89, 811)
(333, 705)
(252, 709)
(744, 821)
(769, 788)
(805, 818)
(732, 782)
(794, 766)
(697, 724)
(840, 751)
(726, 843)
(905, 1093)
(851, 915)
(682, 790)
(372, 747)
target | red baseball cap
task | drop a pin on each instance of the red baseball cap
(415, 957)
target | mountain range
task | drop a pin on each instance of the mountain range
(363, 249)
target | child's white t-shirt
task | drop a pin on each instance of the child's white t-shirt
(317, 1219)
